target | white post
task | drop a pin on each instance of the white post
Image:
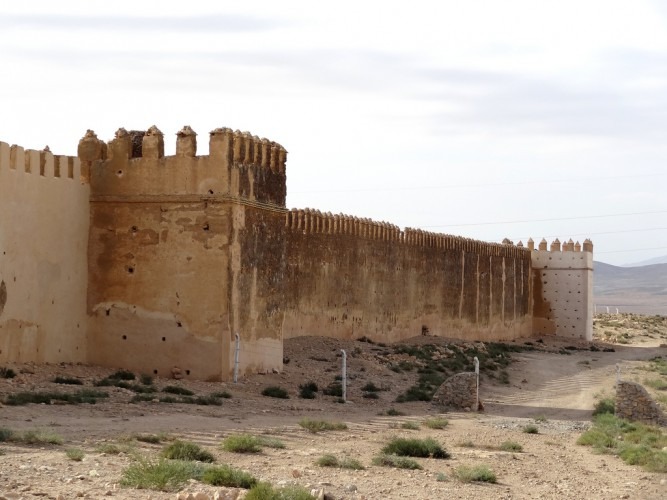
(476, 383)
(236, 358)
(618, 373)
(607, 309)
(344, 375)
(617, 311)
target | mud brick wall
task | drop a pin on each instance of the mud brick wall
(635, 404)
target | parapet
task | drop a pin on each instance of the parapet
(556, 245)
(311, 221)
(40, 162)
(238, 164)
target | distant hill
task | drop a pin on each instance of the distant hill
(640, 289)
(655, 260)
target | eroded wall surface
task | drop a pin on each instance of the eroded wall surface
(165, 252)
(43, 256)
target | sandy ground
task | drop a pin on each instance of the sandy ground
(547, 388)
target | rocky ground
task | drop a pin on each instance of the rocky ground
(550, 383)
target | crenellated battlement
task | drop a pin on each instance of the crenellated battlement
(556, 246)
(238, 164)
(311, 221)
(39, 162)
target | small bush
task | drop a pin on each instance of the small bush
(74, 454)
(146, 379)
(229, 477)
(370, 395)
(221, 395)
(333, 389)
(436, 423)
(67, 380)
(315, 426)
(270, 442)
(308, 390)
(37, 437)
(184, 450)
(174, 389)
(7, 372)
(242, 443)
(82, 396)
(162, 474)
(540, 418)
(510, 446)
(113, 449)
(604, 406)
(393, 412)
(531, 429)
(370, 387)
(122, 375)
(441, 477)
(150, 438)
(275, 392)
(264, 491)
(415, 448)
(344, 463)
(476, 473)
(5, 434)
(411, 426)
(394, 461)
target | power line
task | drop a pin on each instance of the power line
(632, 250)
(578, 180)
(549, 220)
(594, 234)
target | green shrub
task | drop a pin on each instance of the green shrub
(122, 375)
(404, 447)
(150, 438)
(67, 380)
(308, 390)
(436, 423)
(7, 372)
(412, 426)
(37, 437)
(275, 392)
(264, 491)
(393, 412)
(531, 429)
(5, 434)
(510, 446)
(315, 426)
(146, 379)
(174, 389)
(113, 449)
(227, 476)
(74, 454)
(221, 395)
(184, 450)
(370, 387)
(82, 396)
(476, 473)
(394, 461)
(270, 442)
(162, 474)
(242, 443)
(603, 406)
(344, 463)
(333, 389)
(370, 395)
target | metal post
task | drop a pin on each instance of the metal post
(344, 375)
(476, 383)
(236, 358)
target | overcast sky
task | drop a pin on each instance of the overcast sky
(486, 119)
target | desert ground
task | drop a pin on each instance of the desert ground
(550, 383)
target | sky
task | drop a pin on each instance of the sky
(485, 119)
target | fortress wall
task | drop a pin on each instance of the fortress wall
(157, 294)
(43, 259)
(257, 291)
(348, 277)
(563, 284)
(238, 165)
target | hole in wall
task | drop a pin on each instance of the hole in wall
(130, 270)
(206, 227)
(210, 191)
(154, 372)
(187, 372)
(164, 339)
(119, 173)
(108, 312)
(124, 337)
(179, 324)
(135, 229)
